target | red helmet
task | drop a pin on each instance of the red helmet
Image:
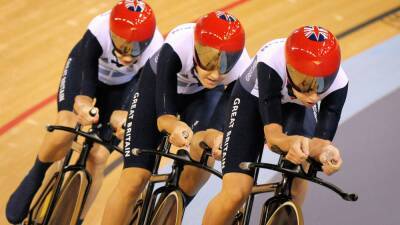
(313, 59)
(132, 26)
(219, 41)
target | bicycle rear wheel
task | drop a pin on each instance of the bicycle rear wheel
(286, 213)
(170, 211)
(69, 204)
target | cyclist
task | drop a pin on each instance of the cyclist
(273, 101)
(104, 65)
(196, 68)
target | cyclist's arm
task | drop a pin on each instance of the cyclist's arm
(269, 89)
(90, 52)
(214, 134)
(168, 66)
(328, 120)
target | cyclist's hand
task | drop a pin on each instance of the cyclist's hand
(181, 134)
(213, 138)
(118, 120)
(86, 112)
(298, 149)
(330, 159)
(88, 115)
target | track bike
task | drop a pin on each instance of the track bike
(64, 195)
(165, 205)
(280, 209)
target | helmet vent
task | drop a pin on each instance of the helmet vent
(225, 16)
(315, 33)
(135, 5)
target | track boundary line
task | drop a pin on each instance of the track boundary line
(25, 114)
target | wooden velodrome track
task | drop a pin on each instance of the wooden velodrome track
(36, 37)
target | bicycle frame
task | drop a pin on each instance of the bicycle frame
(181, 158)
(282, 189)
(164, 146)
(80, 165)
(59, 176)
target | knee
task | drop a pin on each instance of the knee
(60, 139)
(299, 187)
(236, 195)
(133, 181)
(66, 118)
(98, 156)
(236, 188)
(195, 150)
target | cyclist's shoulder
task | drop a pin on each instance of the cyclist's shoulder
(181, 37)
(273, 54)
(99, 25)
(182, 30)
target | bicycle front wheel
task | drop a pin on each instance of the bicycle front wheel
(69, 204)
(170, 211)
(287, 213)
(41, 206)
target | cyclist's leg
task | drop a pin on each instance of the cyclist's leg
(193, 178)
(236, 187)
(298, 120)
(243, 141)
(124, 195)
(95, 165)
(141, 132)
(299, 191)
(197, 115)
(134, 177)
(55, 144)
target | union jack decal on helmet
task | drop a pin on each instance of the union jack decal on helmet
(315, 33)
(225, 16)
(135, 5)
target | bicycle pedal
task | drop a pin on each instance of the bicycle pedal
(238, 215)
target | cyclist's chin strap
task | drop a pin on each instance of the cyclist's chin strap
(187, 199)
